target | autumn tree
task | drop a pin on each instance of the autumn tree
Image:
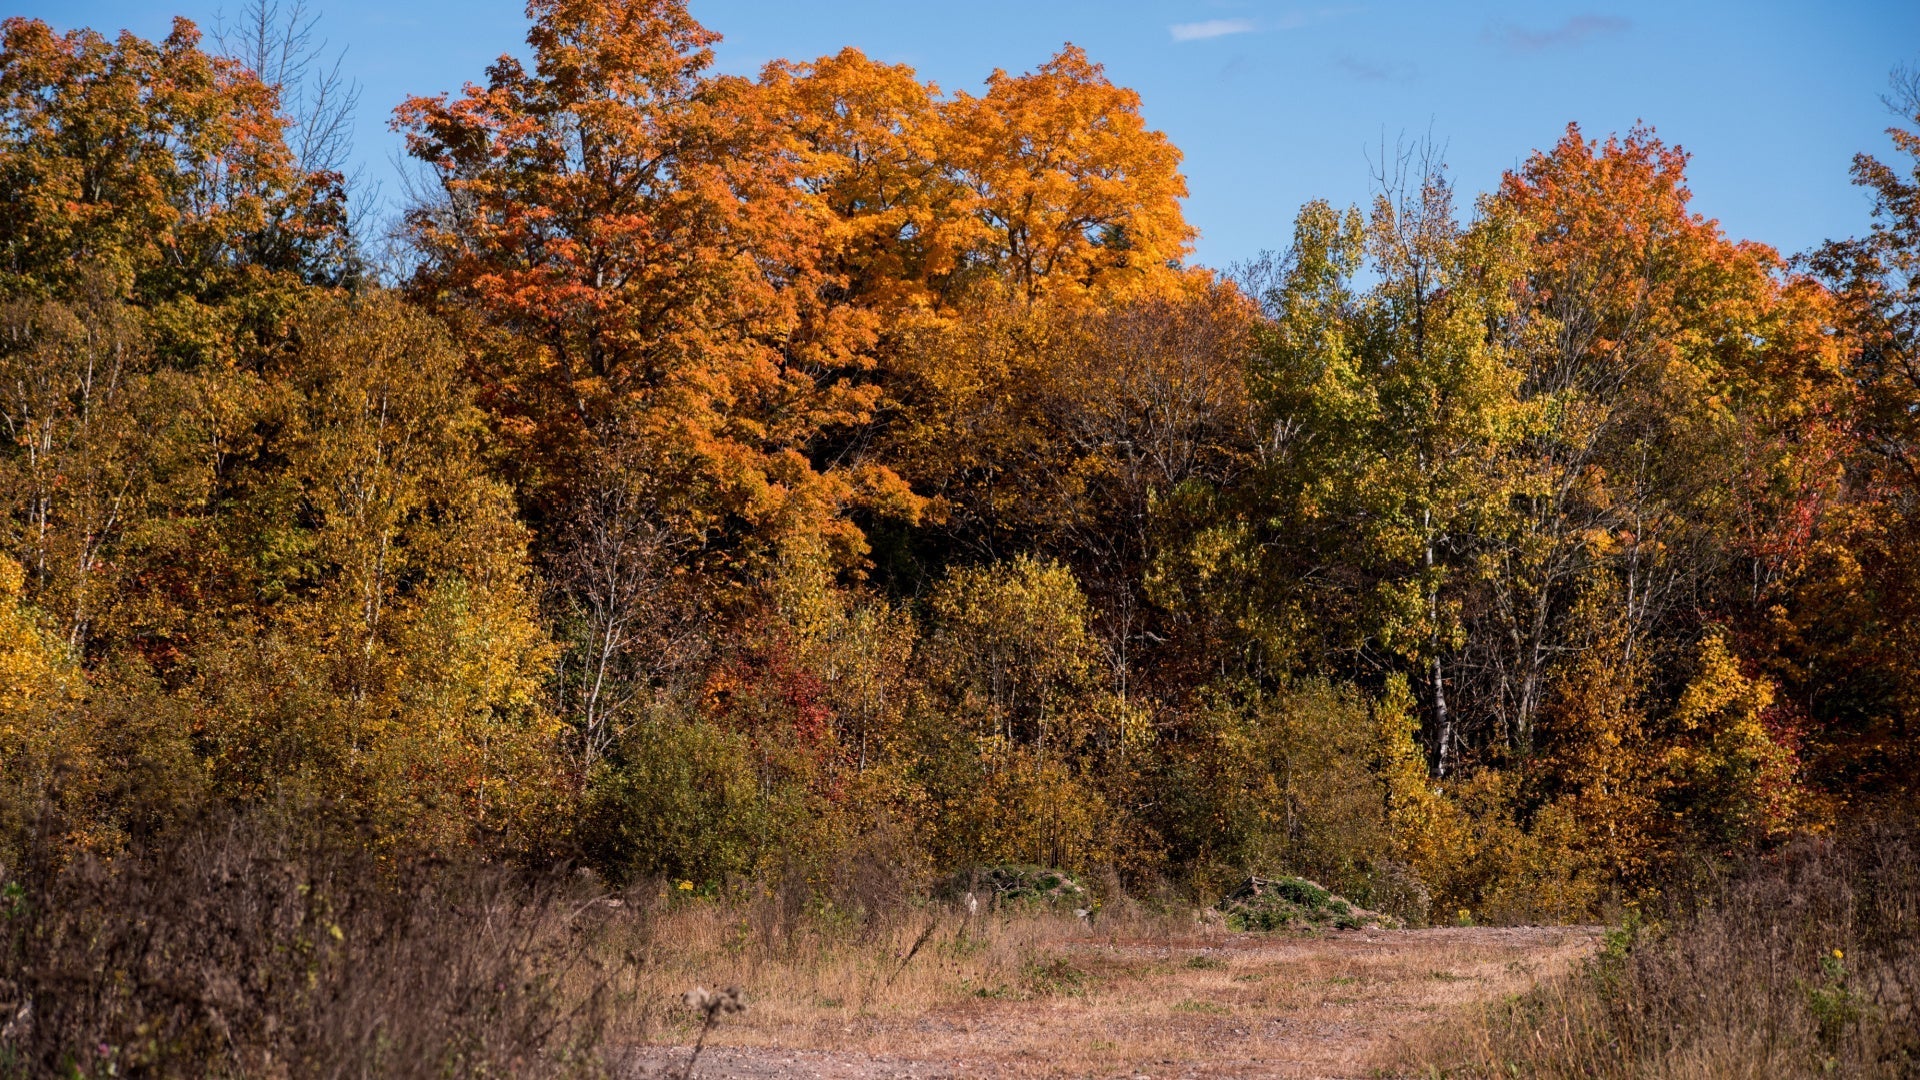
(1526, 468)
(1680, 465)
(769, 475)
(156, 228)
(1010, 750)
(333, 604)
(1849, 623)
(1149, 399)
(154, 163)
(253, 512)
(1685, 387)
(1385, 414)
(1069, 185)
(616, 228)
(389, 658)
(279, 44)
(978, 226)
(873, 172)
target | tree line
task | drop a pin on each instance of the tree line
(736, 475)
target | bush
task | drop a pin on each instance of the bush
(242, 948)
(678, 799)
(1283, 778)
(1023, 885)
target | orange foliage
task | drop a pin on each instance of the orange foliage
(1068, 181)
(1494, 562)
(1707, 338)
(621, 228)
(159, 161)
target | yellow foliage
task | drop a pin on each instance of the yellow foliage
(398, 670)
(47, 759)
(1028, 807)
(1736, 778)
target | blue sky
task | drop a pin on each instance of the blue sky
(1274, 104)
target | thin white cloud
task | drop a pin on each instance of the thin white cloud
(1574, 31)
(1212, 28)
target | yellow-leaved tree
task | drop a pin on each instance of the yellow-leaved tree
(393, 662)
(47, 761)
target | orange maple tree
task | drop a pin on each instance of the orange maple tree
(617, 229)
(1069, 183)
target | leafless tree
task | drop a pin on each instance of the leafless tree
(627, 613)
(279, 41)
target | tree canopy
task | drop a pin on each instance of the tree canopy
(749, 470)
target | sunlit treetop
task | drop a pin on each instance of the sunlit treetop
(157, 162)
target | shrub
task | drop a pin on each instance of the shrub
(241, 947)
(678, 799)
(1024, 885)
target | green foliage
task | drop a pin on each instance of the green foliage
(1835, 1005)
(1009, 646)
(1022, 885)
(383, 543)
(1280, 779)
(679, 800)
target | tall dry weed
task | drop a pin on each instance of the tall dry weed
(1804, 964)
(243, 948)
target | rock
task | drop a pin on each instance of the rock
(1018, 884)
(1294, 903)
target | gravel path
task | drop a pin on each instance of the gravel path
(1238, 1006)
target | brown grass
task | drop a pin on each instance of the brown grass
(239, 948)
(1805, 965)
(1034, 994)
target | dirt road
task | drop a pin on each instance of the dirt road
(1214, 1006)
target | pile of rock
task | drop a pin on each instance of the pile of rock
(1018, 885)
(1293, 903)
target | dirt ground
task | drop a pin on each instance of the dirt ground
(1214, 1006)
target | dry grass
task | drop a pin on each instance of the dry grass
(1044, 995)
(1806, 965)
(242, 950)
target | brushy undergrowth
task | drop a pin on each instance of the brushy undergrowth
(1020, 885)
(267, 944)
(1805, 964)
(239, 947)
